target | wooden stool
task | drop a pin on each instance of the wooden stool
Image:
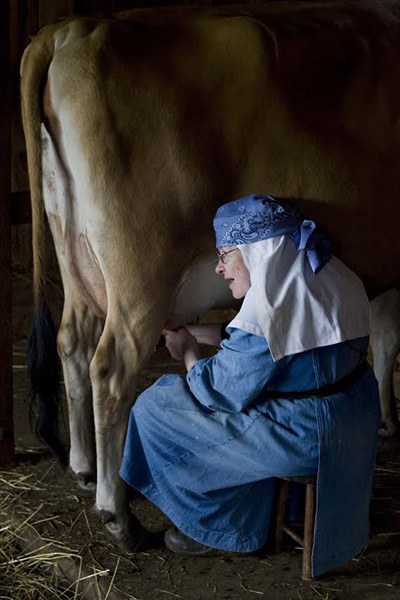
(306, 542)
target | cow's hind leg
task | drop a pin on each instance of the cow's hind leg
(77, 339)
(125, 345)
(385, 344)
(80, 329)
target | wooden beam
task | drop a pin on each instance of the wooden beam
(20, 208)
(6, 392)
(93, 7)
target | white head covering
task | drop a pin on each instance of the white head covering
(294, 308)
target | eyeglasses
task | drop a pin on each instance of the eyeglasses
(222, 255)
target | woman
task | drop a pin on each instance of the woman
(289, 393)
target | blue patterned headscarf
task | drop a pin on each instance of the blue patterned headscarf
(255, 218)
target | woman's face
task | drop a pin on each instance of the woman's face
(232, 267)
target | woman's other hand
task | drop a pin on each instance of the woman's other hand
(206, 333)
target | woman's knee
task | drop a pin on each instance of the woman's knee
(146, 406)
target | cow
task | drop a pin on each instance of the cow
(384, 344)
(137, 127)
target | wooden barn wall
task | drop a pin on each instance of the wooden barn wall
(6, 392)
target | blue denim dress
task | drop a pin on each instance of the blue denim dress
(206, 448)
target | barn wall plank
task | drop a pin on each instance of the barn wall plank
(6, 396)
(24, 23)
(21, 208)
(50, 11)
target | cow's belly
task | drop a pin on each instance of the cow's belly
(199, 289)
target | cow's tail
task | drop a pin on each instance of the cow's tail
(43, 362)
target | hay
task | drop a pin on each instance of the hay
(47, 553)
(37, 568)
(21, 572)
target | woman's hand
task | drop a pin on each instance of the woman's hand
(182, 346)
(206, 333)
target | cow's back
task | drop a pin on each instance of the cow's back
(188, 109)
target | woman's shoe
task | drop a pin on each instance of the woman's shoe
(180, 543)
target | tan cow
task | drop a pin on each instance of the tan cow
(384, 342)
(149, 122)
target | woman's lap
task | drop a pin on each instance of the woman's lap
(212, 473)
(209, 451)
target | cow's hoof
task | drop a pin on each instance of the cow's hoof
(388, 430)
(130, 535)
(86, 483)
(106, 516)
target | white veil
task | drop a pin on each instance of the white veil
(294, 308)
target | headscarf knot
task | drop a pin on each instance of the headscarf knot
(254, 218)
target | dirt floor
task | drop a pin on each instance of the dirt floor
(57, 522)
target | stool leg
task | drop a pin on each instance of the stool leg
(308, 530)
(283, 496)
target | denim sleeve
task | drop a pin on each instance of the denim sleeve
(236, 375)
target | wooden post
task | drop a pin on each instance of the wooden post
(308, 531)
(6, 395)
(282, 500)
